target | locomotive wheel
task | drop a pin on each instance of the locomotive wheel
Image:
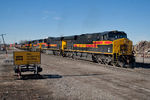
(71, 56)
(95, 59)
(108, 60)
(114, 64)
(121, 64)
(54, 53)
(99, 60)
(64, 54)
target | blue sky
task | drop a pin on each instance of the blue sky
(35, 19)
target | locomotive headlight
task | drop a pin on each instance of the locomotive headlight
(108, 49)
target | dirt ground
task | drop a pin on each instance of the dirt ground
(70, 79)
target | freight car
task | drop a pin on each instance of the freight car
(110, 47)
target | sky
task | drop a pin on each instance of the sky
(36, 19)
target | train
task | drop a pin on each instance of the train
(109, 47)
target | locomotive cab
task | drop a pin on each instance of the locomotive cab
(122, 50)
(113, 35)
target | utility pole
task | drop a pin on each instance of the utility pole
(4, 42)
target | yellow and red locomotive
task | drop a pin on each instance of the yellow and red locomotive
(110, 47)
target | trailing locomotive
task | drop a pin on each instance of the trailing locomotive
(110, 47)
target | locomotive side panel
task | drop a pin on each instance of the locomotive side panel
(94, 47)
(53, 44)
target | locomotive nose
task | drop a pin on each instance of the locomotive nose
(126, 47)
(122, 46)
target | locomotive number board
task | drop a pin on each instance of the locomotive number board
(26, 57)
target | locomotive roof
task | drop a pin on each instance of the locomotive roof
(103, 33)
(86, 34)
(98, 33)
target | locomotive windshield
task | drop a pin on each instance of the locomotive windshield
(113, 36)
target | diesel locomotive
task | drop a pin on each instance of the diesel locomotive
(110, 47)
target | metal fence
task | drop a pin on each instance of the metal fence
(142, 60)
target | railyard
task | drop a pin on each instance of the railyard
(71, 79)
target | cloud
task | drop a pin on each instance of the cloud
(48, 12)
(45, 17)
(57, 18)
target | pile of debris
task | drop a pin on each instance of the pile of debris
(142, 49)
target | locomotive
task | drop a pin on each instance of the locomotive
(110, 47)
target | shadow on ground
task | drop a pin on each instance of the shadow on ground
(82, 75)
(50, 76)
(38, 76)
(143, 65)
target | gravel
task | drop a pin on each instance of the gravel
(68, 79)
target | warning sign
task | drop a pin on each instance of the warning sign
(26, 57)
